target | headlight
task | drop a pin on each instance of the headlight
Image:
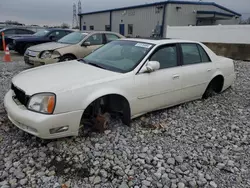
(55, 54)
(43, 103)
(26, 52)
(46, 54)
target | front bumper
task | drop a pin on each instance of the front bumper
(35, 61)
(40, 124)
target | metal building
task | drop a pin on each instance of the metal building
(144, 20)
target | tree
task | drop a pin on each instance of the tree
(64, 26)
(11, 22)
(245, 21)
(76, 27)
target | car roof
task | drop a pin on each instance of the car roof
(57, 29)
(7, 28)
(158, 41)
(93, 31)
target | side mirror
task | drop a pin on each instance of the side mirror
(150, 66)
(86, 44)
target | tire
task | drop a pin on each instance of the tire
(126, 116)
(22, 51)
(67, 58)
(209, 91)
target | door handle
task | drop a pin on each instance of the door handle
(176, 77)
(208, 70)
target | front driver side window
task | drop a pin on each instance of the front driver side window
(166, 56)
(57, 34)
(95, 39)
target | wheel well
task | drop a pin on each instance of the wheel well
(114, 104)
(71, 55)
(217, 83)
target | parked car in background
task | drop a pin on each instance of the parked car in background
(73, 46)
(127, 78)
(11, 32)
(20, 44)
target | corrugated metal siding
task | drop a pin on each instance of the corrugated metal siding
(187, 15)
(97, 20)
(144, 20)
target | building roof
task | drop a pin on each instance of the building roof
(165, 2)
(215, 13)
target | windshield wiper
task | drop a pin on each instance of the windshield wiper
(82, 60)
(93, 64)
(96, 65)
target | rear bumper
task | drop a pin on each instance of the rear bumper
(40, 124)
(35, 61)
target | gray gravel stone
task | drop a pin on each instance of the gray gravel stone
(159, 156)
(171, 161)
(181, 185)
(192, 183)
(179, 159)
(124, 185)
(213, 184)
(97, 180)
(19, 174)
(23, 181)
(202, 142)
(146, 183)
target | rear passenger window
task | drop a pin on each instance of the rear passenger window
(191, 54)
(204, 56)
(166, 56)
(111, 37)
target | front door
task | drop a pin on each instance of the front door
(122, 29)
(95, 41)
(164, 85)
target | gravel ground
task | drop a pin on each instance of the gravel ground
(205, 143)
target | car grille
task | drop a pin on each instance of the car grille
(20, 95)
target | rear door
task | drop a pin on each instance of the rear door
(24, 32)
(10, 32)
(197, 70)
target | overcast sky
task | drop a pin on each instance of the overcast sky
(55, 12)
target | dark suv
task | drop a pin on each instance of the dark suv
(20, 44)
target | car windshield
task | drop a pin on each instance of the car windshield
(119, 56)
(73, 38)
(41, 33)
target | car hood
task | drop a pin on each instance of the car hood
(48, 46)
(60, 77)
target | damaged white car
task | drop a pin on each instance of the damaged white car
(125, 78)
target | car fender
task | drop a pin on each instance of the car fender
(216, 73)
(100, 93)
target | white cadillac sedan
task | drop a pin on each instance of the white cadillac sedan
(125, 78)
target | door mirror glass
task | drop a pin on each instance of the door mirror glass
(86, 44)
(151, 66)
